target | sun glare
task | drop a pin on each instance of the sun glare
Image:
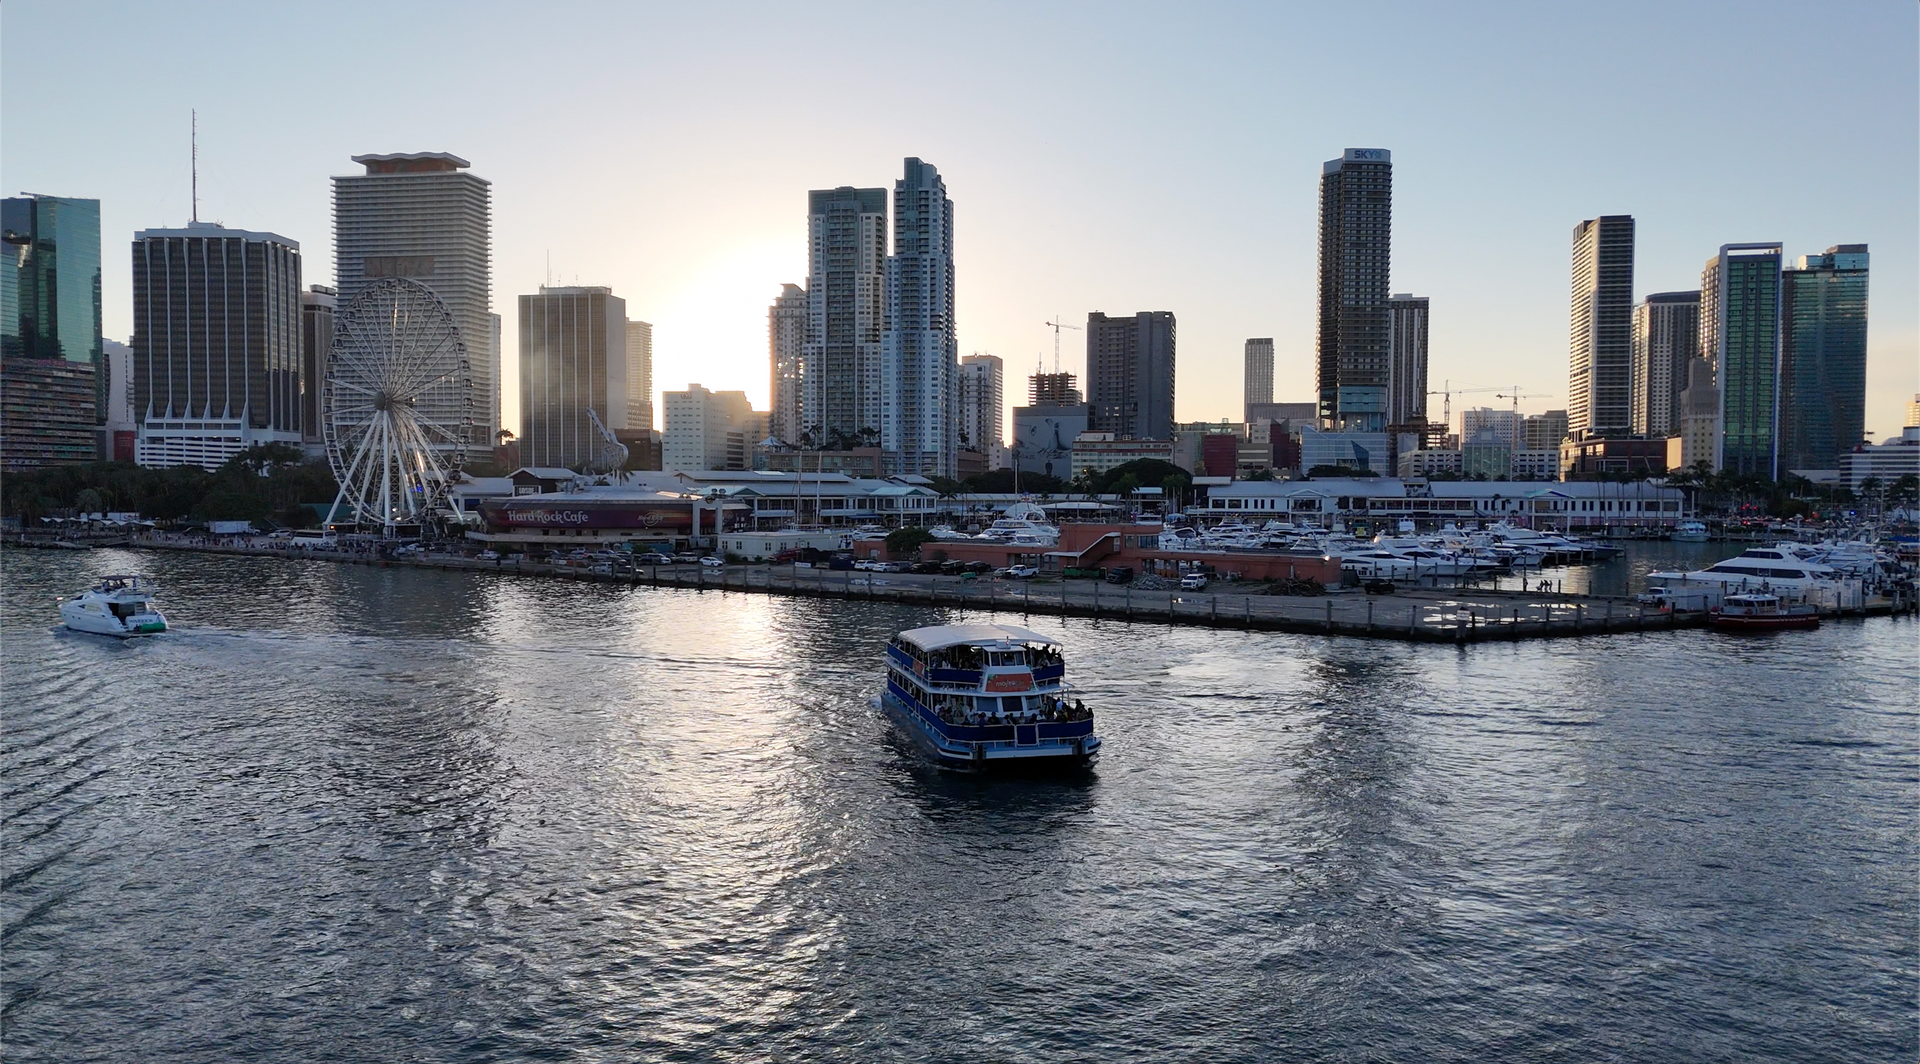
(712, 330)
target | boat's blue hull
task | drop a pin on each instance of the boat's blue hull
(1051, 755)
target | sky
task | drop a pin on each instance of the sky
(1100, 157)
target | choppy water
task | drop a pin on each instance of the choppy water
(354, 814)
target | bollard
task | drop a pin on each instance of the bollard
(1329, 615)
(1369, 616)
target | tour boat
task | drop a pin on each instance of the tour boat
(118, 605)
(1762, 613)
(988, 698)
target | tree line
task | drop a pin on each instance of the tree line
(265, 483)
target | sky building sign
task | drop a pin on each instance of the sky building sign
(1368, 155)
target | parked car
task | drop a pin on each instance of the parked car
(1120, 574)
(926, 567)
(488, 555)
(655, 558)
(892, 567)
(1022, 572)
(978, 567)
(712, 562)
(866, 565)
(1193, 582)
(686, 557)
(952, 568)
(840, 565)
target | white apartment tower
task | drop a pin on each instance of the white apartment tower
(705, 430)
(1600, 336)
(846, 297)
(786, 347)
(1257, 386)
(420, 215)
(981, 400)
(919, 395)
(639, 375)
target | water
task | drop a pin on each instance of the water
(357, 814)
(1626, 574)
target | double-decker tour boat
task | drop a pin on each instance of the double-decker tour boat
(118, 605)
(988, 697)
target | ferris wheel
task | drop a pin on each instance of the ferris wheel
(399, 405)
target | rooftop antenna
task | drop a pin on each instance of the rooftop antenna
(195, 140)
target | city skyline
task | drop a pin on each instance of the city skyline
(703, 249)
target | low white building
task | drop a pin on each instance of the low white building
(1886, 462)
(1579, 504)
(760, 546)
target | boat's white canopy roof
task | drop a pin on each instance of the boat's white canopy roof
(949, 635)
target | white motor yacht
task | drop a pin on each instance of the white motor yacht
(117, 606)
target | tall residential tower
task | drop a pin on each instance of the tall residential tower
(1740, 338)
(1666, 338)
(1407, 343)
(786, 342)
(1823, 357)
(1258, 386)
(919, 405)
(846, 298)
(1130, 375)
(1356, 246)
(1600, 344)
(421, 215)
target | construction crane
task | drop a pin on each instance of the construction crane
(1056, 325)
(1448, 391)
(1516, 395)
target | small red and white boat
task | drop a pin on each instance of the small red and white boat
(1762, 613)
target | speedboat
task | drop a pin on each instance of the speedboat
(118, 605)
(1762, 613)
(988, 698)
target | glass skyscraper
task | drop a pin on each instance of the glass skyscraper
(1356, 259)
(1823, 357)
(52, 373)
(1740, 336)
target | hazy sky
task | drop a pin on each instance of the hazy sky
(1100, 157)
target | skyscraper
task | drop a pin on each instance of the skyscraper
(420, 215)
(706, 430)
(846, 297)
(639, 375)
(1130, 375)
(1740, 337)
(920, 409)
(1600, 344)
(573, 359)
(50, 341)
(217, 349)
(1407, 344)
(317, 305)
(1258, 387)
(1356, 258)
(1823, 357)
(981, 405)
(786, 345)
(1666, 335)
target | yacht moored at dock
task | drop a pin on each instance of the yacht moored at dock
(118, 606)
(988, 697)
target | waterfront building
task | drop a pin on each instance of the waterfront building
(1699, 427)
(1354, 450)
(1257, 388)
(1407, 366)
(1428, 462)
(1600, 343)
(846, 296)
(217, 345)
(420, 215)
(1507, 424)
(1823, 357)
(1885, 462)
(317, 306)
(1130, 374)
(1543, 432)
(1098, 451)
(1740, 337)
(786, 349)
(573, 368)
(46, 413)
(920, 395)
(706, 430)
(1666, 337)
(1581, 459)
(1584, 504)
(1043, 436)
(982, 413)
(1353, 346)
(640, 376)
(50, 312)
(1536, 464)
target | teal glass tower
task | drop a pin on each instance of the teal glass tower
(50, 284)
(1740, 336)
(1823, 357)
